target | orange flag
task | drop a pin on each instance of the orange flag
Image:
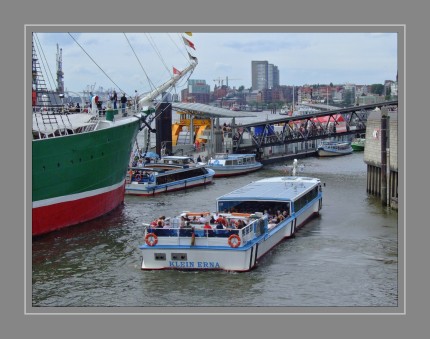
(175, 71)
(188, 43)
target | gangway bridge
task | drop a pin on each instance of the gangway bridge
(293, 129)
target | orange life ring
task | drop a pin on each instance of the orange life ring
(151, 239)
(233, 243)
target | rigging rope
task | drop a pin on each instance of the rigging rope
(119, 88)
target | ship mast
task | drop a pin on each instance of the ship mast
(60, 74)
(147, 103)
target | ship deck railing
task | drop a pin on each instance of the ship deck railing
(167, 235)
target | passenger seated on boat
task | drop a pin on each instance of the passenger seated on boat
(240, 224)
(212, 220)
(182, 222)
(161, 221)
(219, 226)
(159, 224)
(207, 226)
(279, 217)
(202, 219)
(221, 220)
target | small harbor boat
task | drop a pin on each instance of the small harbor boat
(225, 164)
(247, 224)
(170, 173)
(334, 148)
(358, 144)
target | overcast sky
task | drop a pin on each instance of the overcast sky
(127, 61)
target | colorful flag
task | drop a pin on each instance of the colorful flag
(188, 43)
(192, 57)
(189, 33)
(175, 71)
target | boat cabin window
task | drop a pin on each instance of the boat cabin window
(247, 206)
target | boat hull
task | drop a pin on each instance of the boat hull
(229, 171)
(142, 189)
(215, 253)
(79, 177)
(329, 153)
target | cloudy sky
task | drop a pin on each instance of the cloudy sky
(127, 61)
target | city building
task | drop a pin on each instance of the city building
(264, 75)
(197, 91)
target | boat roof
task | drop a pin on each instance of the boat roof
(276, 188)
(209, 111)
(232, 155)
(177, 157)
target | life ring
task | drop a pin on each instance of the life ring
(137, 177)
(151, 239)
(234, 243)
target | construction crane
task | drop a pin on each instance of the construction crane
(221, 80)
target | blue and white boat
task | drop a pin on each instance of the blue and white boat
(189, 245)
(170, 173)
(334, 148)
(226, 165)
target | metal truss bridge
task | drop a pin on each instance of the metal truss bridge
(289, 130)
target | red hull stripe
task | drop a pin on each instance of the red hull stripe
(56, 216)
(77, 196)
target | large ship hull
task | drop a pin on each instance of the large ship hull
(79, 177)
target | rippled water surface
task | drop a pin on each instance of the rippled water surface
(345, 257)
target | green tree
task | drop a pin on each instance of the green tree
(348, 98)
(377, 89)
(388, 94)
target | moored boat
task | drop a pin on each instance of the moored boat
(358, 144)
(225, 164)
(189, 242)
(334, 148)
(171, 173)
(80, 160)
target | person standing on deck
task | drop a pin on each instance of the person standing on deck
(136, 98)
(123, 103)
(114, 98)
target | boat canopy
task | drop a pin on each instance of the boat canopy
(209, 111)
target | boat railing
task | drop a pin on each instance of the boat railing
(254, 229)
(55, 122)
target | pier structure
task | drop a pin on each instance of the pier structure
(275, 139)
(381, 155)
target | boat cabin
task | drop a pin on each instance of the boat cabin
(225, 159)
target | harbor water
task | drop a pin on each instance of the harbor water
(347, 256)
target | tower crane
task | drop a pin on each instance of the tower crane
(221, 80)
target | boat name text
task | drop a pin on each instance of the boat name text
(194, 264)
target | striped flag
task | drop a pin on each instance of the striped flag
(188, 43)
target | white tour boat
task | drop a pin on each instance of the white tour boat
(170, 173)
(226, 165)
(334, 148)
(195, 245)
